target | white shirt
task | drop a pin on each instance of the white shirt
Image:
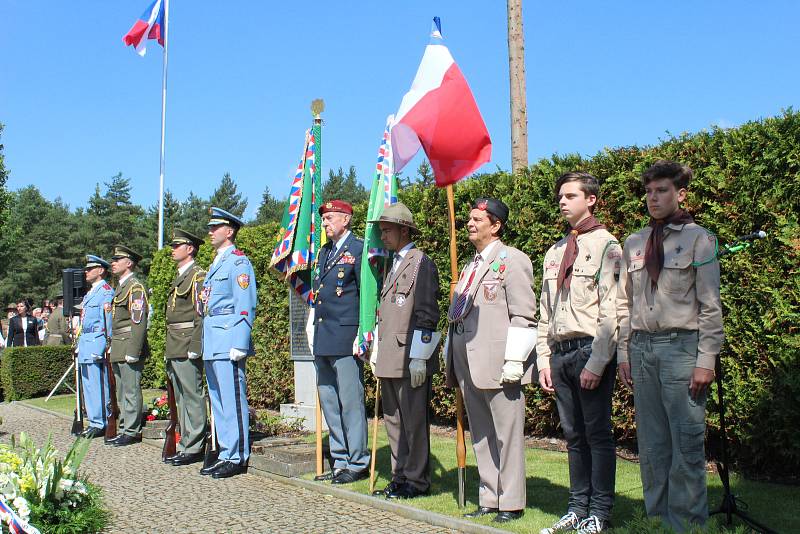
(220, 252)
(24, 327)
(185, 268)
(475, 265)
(399, 256)
(122, 279)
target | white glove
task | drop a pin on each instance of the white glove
(193, 355)
(418, 370)
(512, 372)
(97, 357)
(236, 354)
(310, 330)
(131, 359)
(373, 354)
(355, 350)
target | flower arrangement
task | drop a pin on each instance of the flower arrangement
(158, 408)
(37, 488)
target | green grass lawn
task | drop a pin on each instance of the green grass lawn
(65, 404)
(548, 485)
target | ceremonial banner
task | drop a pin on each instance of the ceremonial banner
(299, 239)
(439, 114)
(151, 25)
(374, 259)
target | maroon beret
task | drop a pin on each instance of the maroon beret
(336, 206)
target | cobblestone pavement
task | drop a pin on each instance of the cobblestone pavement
(145, 495)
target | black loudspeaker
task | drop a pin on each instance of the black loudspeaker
(74, 290)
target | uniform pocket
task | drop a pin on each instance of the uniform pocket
(349, 320)
(676, 276)
(636, 271)
(402, 338)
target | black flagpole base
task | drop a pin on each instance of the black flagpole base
(730, 509)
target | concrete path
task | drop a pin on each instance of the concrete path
(145, 495)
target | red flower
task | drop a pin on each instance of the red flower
(151, 417)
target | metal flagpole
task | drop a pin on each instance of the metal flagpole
(163, 128)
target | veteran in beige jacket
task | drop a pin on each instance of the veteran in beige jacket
(489, 355)
(403, 354)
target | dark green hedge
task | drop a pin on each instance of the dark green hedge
(745, 178)
(29, 372)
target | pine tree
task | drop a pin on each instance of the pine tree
(193, 215)
(271, 209)
(227, 197)
(345, 187)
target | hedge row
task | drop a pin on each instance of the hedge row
(745, 178)
(28, 372)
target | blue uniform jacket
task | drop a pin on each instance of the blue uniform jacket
(336, 303)
(96, 307)
(229, 296)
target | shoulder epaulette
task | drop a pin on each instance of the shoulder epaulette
(237, 252)
(106, 286)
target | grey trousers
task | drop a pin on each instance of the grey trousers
(497, 428)
(187, 382)
(405, 414)
(340, 381)
(128, 377)
(670, 427)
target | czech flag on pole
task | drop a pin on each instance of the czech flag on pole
(439, 114)
(150, 25)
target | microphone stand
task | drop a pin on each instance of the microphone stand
(730, 505)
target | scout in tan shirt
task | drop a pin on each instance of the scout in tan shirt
(670, 320)
(577, 339)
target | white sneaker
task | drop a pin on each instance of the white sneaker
(567, 523)
(592, 525)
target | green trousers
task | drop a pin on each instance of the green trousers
(128, 377)
(187, 382)
(670, 427)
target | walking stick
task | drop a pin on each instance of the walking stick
(77, 421)
(461, 448)
(374, 434)
(318, 421)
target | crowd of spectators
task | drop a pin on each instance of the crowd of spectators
(26, 326)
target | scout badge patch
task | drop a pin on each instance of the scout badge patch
(490, 288)
(400, 300)
(243, 280)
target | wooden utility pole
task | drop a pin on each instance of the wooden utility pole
(516, 71)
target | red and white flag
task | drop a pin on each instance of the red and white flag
(439, 114)
(151, 25)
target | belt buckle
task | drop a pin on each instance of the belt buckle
(459, 328)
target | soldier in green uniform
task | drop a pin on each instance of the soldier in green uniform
(128, 344)
(184, 348)
(57, 333)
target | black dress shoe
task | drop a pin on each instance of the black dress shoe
(170, 459)
(390, 487)
(505, 517)
(211, 468)
(406, 491)
(93, 432)
(481, 511)
(187, 459)
(113, 440)
(127, 440)
(229, 469)
(347, 476)
(330, 475)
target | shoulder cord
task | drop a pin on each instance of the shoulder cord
(713, 256)
(189, 289)
(413, 276)
(603, 257)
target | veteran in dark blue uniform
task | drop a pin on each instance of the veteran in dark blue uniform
(340, 375)
(229, 296)
(92, 344)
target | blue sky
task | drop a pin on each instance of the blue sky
(78, 106)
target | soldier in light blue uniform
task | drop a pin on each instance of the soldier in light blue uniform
(95, 330)
(229, 296)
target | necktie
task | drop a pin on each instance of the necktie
(461, 303)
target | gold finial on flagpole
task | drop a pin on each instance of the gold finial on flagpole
(317, 107)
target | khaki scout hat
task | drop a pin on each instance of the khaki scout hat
(121, 251)
(182, 237)
(397, 213)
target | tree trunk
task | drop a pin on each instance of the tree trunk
(516, 70)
